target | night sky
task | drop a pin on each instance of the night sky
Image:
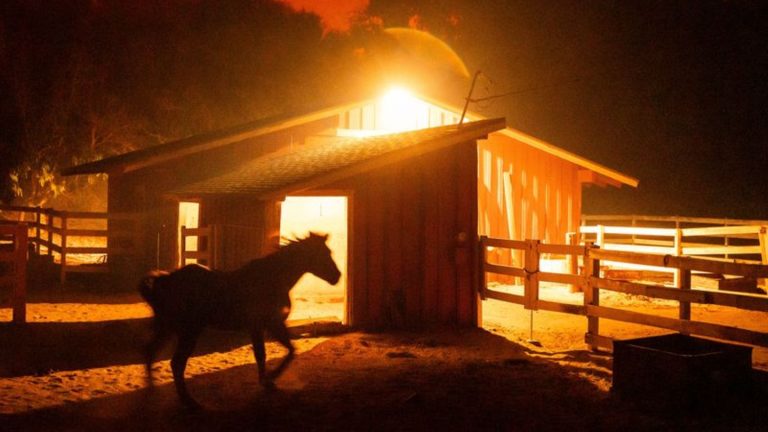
(671, 92)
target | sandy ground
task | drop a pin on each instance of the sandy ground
(76, 366)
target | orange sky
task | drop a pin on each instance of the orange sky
(335, 15)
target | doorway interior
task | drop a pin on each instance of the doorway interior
(313, 298)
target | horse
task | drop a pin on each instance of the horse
(254, 298)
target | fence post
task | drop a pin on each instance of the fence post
(482, 256)
(49, 222)
(684, 283)
(183, 257)
(38, 220)
(678, 247)
(572, 261)
(531, 267)
(600, 240)
(20, 287)
(214, 235)
(591, 296)
(63, 235)
(763, 238)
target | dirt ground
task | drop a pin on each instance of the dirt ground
(76, 366)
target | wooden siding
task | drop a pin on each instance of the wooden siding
(413, 240)
(246, 228)
(524, 193)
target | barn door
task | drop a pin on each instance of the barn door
(189, 218)
(313, 297)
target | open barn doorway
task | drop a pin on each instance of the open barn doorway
(312, 297)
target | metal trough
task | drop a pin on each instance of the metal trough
(679, 369)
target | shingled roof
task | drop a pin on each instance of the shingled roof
(197, 143)
(311, 166)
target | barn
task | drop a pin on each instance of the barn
(402, 183)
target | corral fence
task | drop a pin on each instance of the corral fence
(592, 282)
(732, 240)
(13, 267)
(75, 241)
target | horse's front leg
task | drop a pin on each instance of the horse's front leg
(184, 349)
(257, 340)
(279, 331)
(160, 336)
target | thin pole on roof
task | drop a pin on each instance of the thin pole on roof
(469, 97)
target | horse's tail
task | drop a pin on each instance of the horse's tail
(148, 287)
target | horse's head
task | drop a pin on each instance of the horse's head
(317, 256)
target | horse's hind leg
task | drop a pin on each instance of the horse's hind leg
(279, 331)
(184, 349)
(257, 339)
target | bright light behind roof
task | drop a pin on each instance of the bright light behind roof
(401, 111)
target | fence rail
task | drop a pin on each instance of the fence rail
(77, 241)
(591, 282)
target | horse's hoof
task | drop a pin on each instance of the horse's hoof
(269, 385)
(192, 405)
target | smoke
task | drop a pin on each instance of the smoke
(335, 15)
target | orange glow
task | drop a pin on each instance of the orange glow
(335, 16)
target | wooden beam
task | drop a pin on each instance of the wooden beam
(507, 297)
(509, 271)
(716, 331)
(710, 266)
(568, 156)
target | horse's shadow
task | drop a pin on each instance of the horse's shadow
(39, 348)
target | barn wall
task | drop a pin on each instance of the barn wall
(413, 234)
(525, 193)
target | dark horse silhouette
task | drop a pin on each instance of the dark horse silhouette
(253, 298)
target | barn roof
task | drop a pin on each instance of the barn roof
(198, 143)
(175, 149)
(315, 165)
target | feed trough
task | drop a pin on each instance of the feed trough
(679, 369)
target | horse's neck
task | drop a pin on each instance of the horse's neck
(282, 271)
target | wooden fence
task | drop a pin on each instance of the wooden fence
(198, 245)
(724, 239)
(76, 241)
(591, 282)
(744, 241)
(13, 267)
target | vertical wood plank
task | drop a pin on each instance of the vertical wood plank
(358, 258)
(63, 274)
(592, 296)
(375, 214)
(532, 274)
(19, 294)
(432, 185)
(762, 237)
(413, 244)
(447, 205)
(684, 283)
(394, 308)
(466, 238)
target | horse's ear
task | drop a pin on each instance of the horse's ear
(324, 237)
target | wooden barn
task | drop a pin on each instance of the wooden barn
(404, 186)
